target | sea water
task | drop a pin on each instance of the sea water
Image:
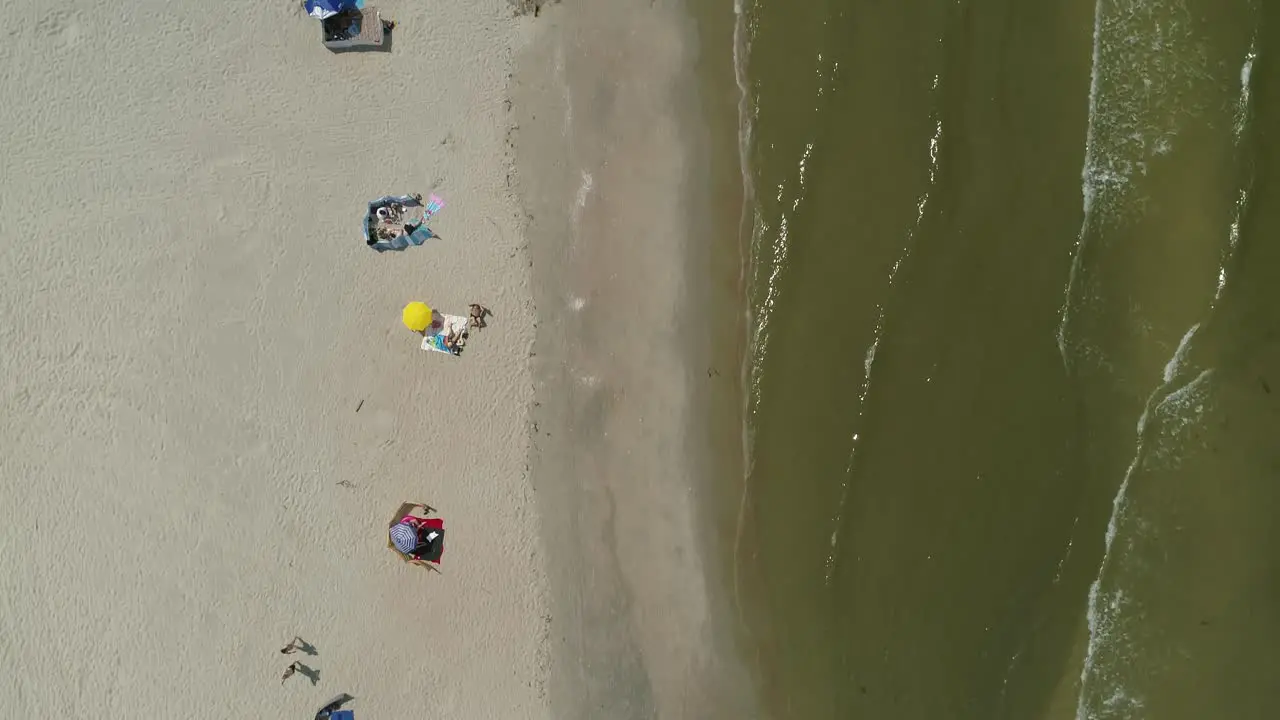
(1013, 328)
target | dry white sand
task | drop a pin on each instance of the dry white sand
(187, 482)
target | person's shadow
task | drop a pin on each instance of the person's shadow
(298, 643)
(312, 674)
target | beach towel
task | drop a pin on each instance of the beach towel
(436, 334)
(431, 534)
(416, 216)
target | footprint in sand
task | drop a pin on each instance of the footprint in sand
(63, 27)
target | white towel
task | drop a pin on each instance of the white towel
(457, 324)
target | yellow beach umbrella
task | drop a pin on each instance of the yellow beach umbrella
(416, 316)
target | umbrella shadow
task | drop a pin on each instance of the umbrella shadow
(388, 39)
(333, 706)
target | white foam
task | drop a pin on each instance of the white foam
(747, 225)
(1242, 103)
(1242, 198)
(804, 162)
(1233, 241)
(870, 357)
(1178, 408)
(1145, 54)
(1174, 365)
(1066, 554)
(580, 197)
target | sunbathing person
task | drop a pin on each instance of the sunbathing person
(453, 340)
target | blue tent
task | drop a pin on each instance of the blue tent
(321, 9)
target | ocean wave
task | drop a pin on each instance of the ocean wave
(1114, 657)
(746, 229)
(765, 239)
(1146, 56)
(1239, 128)
(869, 358)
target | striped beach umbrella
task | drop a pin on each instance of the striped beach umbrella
(321, 9)
(404, 537)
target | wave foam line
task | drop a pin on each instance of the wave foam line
(752, 231)
(1101, 612)
(1086, 188)
(881, 311)
(748, 221)
(1148, 57)
(1243, 104)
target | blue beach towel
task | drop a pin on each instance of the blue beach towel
(412, 206)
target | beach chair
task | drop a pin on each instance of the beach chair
(354, 28)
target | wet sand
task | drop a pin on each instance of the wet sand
(614, 176)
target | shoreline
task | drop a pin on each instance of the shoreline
(614, 176)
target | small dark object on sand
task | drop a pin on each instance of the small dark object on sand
(525, 7)
(289, 671)
(478, 315)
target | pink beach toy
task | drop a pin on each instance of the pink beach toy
(434, 205)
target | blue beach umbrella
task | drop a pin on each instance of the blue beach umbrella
(321, 9)
(404, 537)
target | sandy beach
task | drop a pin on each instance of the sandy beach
(212, 407)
